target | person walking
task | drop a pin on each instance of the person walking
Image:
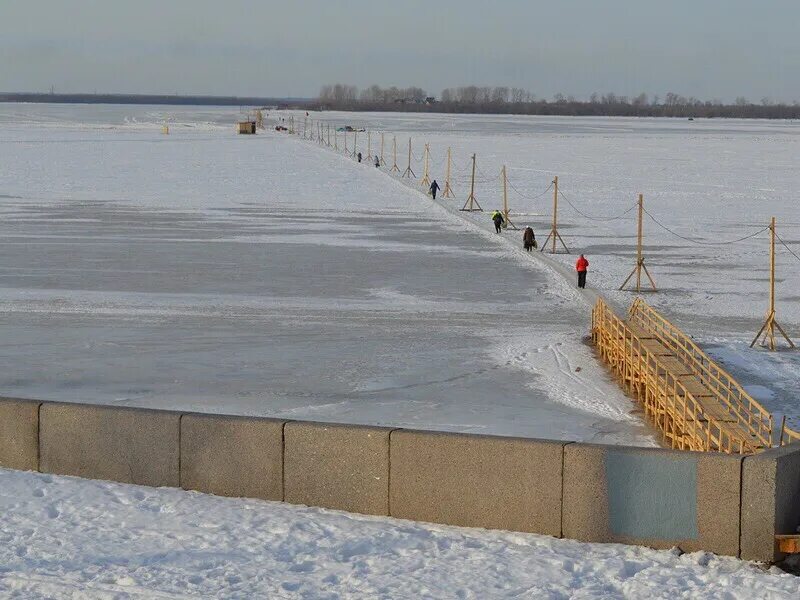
(528, 239)
(497, 217)
(359, 157)
(377, 162)
(434, 188)
(581, 266)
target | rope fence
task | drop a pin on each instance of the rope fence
(396, 158)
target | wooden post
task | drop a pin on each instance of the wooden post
(291, 125)
(448, 191)
(329, 135)
(382, 162)
(369, 146)
(554, 231)
(509, 223)
(346, 151)
(426, 180)
(472, 202)
(335, 138)
(305, 126)
(355, 143)
(640, 266)
(394, 152)
(409, 172)
(771, 323)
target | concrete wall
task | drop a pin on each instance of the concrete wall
(477, 481)
(232, 456)
(661, 498)
(19, 434)
(345, 467)
(652, 497)
(101, 442)
(770, 501)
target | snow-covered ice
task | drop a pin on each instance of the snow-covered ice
(263, 275)
(66, 538)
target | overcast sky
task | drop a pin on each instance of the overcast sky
(704, 48)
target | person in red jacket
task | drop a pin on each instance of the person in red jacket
(581, 266)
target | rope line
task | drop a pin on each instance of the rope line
(591, 218)
(701, 243)
(513, 187)
(792, 252)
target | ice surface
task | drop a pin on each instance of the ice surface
(263, 275)
(70, 538)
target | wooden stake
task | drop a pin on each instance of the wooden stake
(426, 180)
(335, 139)
(394, 152)
(472, 202)
(291, 125)
(369, 146)
(409, 172)
(640, 256)
(448, 191)
(769, 326)
(509, 223)
(355, 143)
(554, 231)
(382, 162)
(346, 151)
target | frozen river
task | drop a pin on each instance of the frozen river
(208, 271)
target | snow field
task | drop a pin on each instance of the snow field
(65, 537)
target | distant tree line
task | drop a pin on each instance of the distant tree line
(512, 100)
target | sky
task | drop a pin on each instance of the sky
(703, 48)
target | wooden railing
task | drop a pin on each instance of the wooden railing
(739, 404)
(713, 421)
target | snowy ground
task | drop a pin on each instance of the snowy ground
(262, 275)
(70, 538)
(711, 181)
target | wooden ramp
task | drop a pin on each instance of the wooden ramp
(692, 401)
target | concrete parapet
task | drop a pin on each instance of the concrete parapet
(770, 501)
(652, 497)
(119, 444)
(477, 481)
(232, 456)
(344, 467)
(19, 434)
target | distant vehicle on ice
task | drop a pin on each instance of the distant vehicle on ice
(350, 128)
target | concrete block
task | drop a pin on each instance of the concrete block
(19, 434)
(477, 481)
(770, 501)
(232, 456)
(652, 497)
(119, 444)
(343, 467)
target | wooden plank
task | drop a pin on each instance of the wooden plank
(675, 367)
(788, 544)
(655, 348)
(641, 332)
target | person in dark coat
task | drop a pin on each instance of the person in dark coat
(528, 239)
(377, 161)
(359, 157)
(434, 188)
(497, 217)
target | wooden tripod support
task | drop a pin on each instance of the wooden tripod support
(770, 324)
(335, 139)
(291, 125)
(346, 151)
(382, 162)
(329, 136)
(369, 146)
(448, 191)
(509, 222)
(640, 266)
(471, 203)
(426, 179)
(394, 152)
(409, 172)
(355, 143)
(554, 231)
